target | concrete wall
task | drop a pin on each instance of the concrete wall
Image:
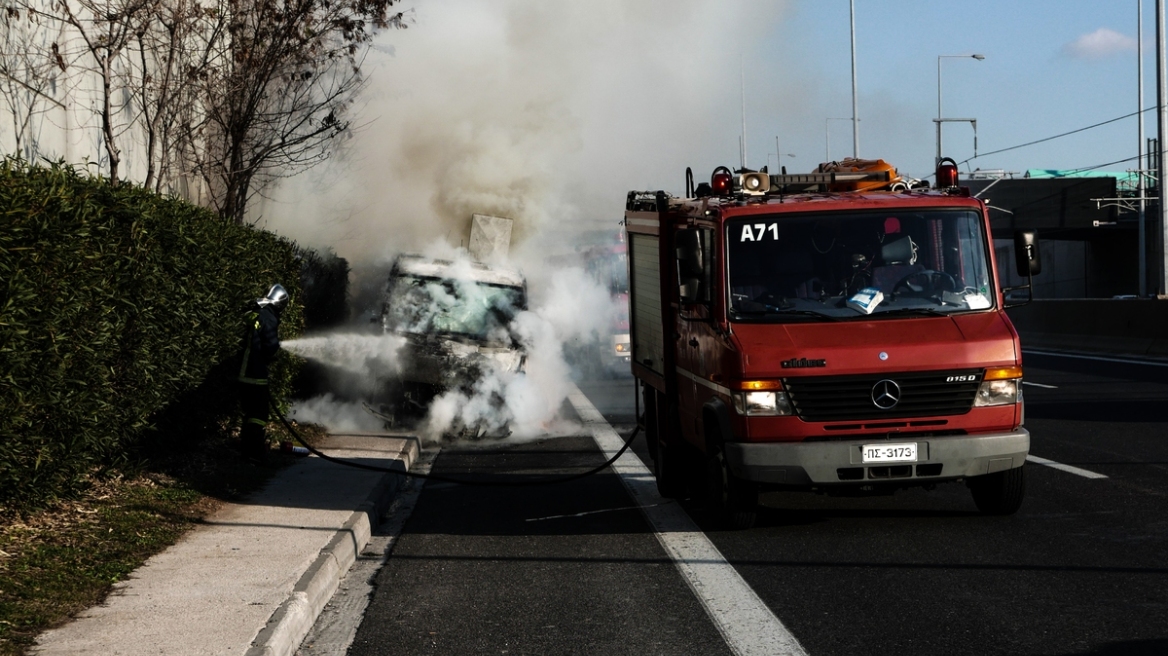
(1130, 326)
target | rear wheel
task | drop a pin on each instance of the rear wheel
(1000, 493)
(670, 467)
(649, 419)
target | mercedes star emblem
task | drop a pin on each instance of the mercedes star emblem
(886, 394)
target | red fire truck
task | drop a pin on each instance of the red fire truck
(841, 331)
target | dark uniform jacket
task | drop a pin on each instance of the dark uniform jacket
(259, 346)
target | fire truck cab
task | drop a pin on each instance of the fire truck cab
(841, 332)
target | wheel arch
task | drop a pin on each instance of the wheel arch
(716, 416)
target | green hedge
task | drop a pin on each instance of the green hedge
(115, 302)
(324, 280)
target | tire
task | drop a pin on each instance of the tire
(649, 421)
(1000, 493)
(734, 500)
(670, 468)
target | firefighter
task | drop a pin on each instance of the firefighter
(260, 344)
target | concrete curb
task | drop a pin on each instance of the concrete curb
(291, 622)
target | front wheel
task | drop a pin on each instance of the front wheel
(1000, 493)
(734, 500)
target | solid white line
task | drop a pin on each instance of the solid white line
(1101, 358)
(746, 623)
(1026, 382)
(1070, 469)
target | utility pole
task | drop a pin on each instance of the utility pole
(855, 110)
(742, 74)
(1162, 143)
(1140, 162)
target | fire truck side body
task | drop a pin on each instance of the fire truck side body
(839, 341)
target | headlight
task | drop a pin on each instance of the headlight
(762, 404)
(997, 392)
(622, 347)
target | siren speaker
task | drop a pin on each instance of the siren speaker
(756, 183)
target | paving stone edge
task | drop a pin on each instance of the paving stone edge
(293, 619)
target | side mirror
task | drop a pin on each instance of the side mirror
(692, 266)
(1026, 253)
(1028, 263)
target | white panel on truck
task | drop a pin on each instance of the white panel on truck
(645, 299)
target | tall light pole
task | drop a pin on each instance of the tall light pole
(778, 155)
(827, 134)
(940, 116)
(742, 74)
(855, 110)
(1140, 162)
(1161, 143)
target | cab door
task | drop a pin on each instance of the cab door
(694, 248)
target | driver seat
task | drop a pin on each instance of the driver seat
(899, 258)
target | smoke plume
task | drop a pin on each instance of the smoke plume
(546, 112)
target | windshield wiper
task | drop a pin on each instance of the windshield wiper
(778, 312)
(913, 310)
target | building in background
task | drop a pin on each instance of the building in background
(1089, 233)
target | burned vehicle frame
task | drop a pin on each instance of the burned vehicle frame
(456, 319)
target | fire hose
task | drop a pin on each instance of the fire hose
(459, 481)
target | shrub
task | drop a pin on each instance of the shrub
(324, 281)
(114, 301)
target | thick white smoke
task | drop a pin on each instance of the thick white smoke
(543, 111)
(570, 306)
(336, 415)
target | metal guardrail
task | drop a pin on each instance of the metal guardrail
(1128, 326)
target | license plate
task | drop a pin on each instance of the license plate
(890, 452)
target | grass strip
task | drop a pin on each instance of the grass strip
(60, 561)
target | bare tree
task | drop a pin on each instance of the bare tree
(233, 93)
(166, 55)
(104, 30)
(279, 88)
(27, 78)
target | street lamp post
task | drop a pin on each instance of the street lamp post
(778, 156)
(827, 134)
(855, 107)
(940, 116)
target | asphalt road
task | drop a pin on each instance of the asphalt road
(1081, 569)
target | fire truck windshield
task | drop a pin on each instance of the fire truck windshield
(887, 264)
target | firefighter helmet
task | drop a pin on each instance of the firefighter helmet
(277, 298)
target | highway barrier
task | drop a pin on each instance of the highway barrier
(1137, 327)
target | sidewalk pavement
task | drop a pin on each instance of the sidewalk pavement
(254, 577)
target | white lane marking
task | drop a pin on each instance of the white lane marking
(583, 514)
(746, 624)
(1101, 358)
(1026, 382)
(1070, 469)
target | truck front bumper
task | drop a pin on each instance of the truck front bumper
(841, 462)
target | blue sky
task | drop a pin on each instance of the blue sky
(1050, 67)
(549, 111)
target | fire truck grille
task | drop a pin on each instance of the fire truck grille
(918, 394)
